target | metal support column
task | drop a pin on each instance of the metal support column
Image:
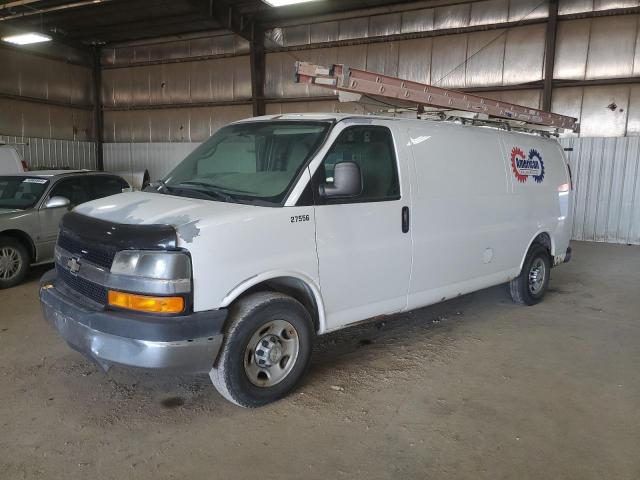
(550, 55)
(257, 55)
(98, 111)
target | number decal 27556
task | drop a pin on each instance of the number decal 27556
(299, 218)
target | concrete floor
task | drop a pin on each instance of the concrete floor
(472, 388)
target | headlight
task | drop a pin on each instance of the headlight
(152, 265)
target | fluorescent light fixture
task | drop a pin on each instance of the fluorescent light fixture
(285, 3)
(27, 38)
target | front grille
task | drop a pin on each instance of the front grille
(91, 290)
(95, 253)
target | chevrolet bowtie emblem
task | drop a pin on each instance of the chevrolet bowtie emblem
(73, 264)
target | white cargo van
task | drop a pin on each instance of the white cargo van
(10, 160)
(281, 228)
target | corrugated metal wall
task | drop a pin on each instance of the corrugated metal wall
(46, 106)
(36, 87)
(183, 73)
(606, 175)
(54, 153)
(158, 158)
(489, 12)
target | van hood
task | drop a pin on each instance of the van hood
(186, 215)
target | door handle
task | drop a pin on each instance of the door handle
(405, 219)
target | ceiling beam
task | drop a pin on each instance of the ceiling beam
(132, 27)
(228, 16)
(17, 3)
(56, 8)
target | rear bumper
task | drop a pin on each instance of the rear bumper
(188, 343)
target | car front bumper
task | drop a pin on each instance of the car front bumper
(188, 343)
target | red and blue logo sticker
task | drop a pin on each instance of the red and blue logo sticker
(527, 166)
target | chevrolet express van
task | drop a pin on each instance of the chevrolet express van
(281, 228)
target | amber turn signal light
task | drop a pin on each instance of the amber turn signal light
(143, 303)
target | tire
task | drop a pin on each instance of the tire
(528, 288)
(264, 328)
(14, 262)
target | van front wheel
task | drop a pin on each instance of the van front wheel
(266, 349)
(531, 285)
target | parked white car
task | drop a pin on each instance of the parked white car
(281, 228)
(10, 160)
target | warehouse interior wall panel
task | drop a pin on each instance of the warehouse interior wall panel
(54, 153)
(605, 60)
(158, 158)
(572, 47)
(31, 119)
(461, 15)
(169, 124)
(606, 175)
(604, 111)
(596, 48)
(200, 46)
(41, 78)
(497, 57)
(488, 13)
(220, 79)
(485, 53)
(414, 60)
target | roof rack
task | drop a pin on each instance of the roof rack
(351, 84)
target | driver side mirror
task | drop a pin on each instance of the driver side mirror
(57, 202)
(347, 181)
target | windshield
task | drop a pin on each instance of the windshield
(248, 162)
(19, 192)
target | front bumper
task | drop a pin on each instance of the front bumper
(188, 343)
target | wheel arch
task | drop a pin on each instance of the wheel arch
(24, 238)
(294, 284)
(543, 238)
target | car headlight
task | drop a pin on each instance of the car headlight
(152, 265)
(149, 272)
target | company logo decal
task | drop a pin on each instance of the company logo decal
(527, 166)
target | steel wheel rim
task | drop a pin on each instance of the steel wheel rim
(271, 353)
(537, 276)
(10, 263)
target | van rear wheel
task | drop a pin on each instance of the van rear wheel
(266, 349)
(532, 283)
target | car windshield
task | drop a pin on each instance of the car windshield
(21, 192)
(254, 162)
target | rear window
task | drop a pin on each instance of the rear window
(21, 192)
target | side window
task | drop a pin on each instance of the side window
(75, 189)
(371, 147)
(105, 185)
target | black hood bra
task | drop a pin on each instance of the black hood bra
(119, 236)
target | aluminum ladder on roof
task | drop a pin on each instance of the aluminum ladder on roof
(342, 78)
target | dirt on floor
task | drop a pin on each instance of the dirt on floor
(472, 388)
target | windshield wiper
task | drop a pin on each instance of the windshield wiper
(158, 186)
(211, 192)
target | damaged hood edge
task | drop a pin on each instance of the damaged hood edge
(184, 214)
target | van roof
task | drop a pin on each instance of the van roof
(319, 116)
